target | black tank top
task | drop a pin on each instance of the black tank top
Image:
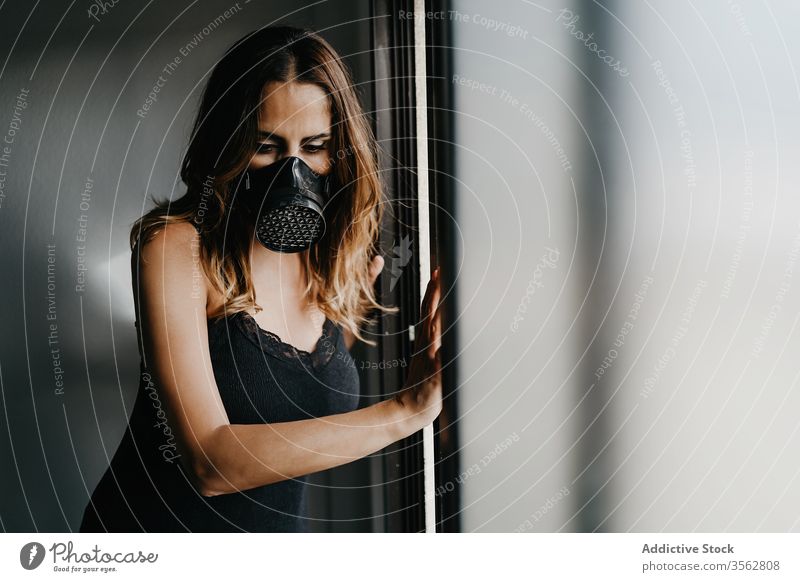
(261, 379)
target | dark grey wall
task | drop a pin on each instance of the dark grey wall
(67, 391)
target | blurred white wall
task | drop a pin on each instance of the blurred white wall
(710, 197)
(673, 305)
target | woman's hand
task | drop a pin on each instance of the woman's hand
(375, 268)
(421, 396)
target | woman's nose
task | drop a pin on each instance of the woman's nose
(297, 153)
(293, 151)
(310, 161)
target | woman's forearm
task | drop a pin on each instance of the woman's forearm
(243, 456)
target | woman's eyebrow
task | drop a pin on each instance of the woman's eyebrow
(270, 135)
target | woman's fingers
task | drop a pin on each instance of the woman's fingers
(433, 300)
(437, 329)
(428, 309)
(425, 308)
(434, 286)
(434, 325)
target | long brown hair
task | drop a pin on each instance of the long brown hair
(223, 140)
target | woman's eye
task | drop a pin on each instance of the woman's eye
(314, 148)
(267, 148)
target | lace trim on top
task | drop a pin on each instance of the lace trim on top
(272, 343)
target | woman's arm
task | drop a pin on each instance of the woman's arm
(246, 457)
(249, 455)
(220, 457)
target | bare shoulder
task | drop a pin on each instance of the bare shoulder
(177, 241)
(169, 262)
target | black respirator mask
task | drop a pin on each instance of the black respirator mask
(287, 198)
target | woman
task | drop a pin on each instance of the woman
(230, 417)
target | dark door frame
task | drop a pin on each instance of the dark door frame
(402, 506)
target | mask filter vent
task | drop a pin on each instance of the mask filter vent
(290, 229)
(287, 198)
